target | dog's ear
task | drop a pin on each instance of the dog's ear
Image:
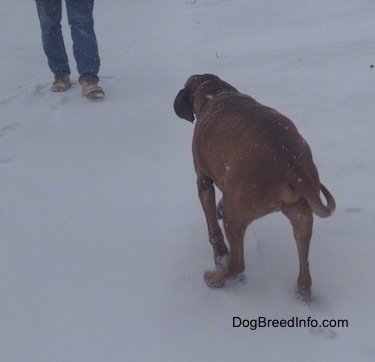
(183, 105)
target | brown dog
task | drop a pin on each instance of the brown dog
(260, 163)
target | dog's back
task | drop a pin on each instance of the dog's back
(257, 145)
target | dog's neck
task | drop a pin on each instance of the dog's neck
(209, 90)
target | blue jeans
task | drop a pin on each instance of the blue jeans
(85, 46)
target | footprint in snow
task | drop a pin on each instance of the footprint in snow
(5, 161)
(40, 89)
(321, 332)
(9, 128)
(7, 100)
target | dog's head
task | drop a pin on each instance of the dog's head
(198, 90)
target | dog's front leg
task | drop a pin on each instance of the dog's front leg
(207, 197)
(235, 232)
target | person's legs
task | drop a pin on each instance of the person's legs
(49, 13)
(85, 47)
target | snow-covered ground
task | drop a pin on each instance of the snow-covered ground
(103, 242)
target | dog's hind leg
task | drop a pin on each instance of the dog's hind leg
(301, 218)
(207, 197)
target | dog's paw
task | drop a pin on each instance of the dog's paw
(214, 279)
(303, 295)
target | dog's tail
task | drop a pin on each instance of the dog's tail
(317, 205)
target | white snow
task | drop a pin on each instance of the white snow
(103, 242)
